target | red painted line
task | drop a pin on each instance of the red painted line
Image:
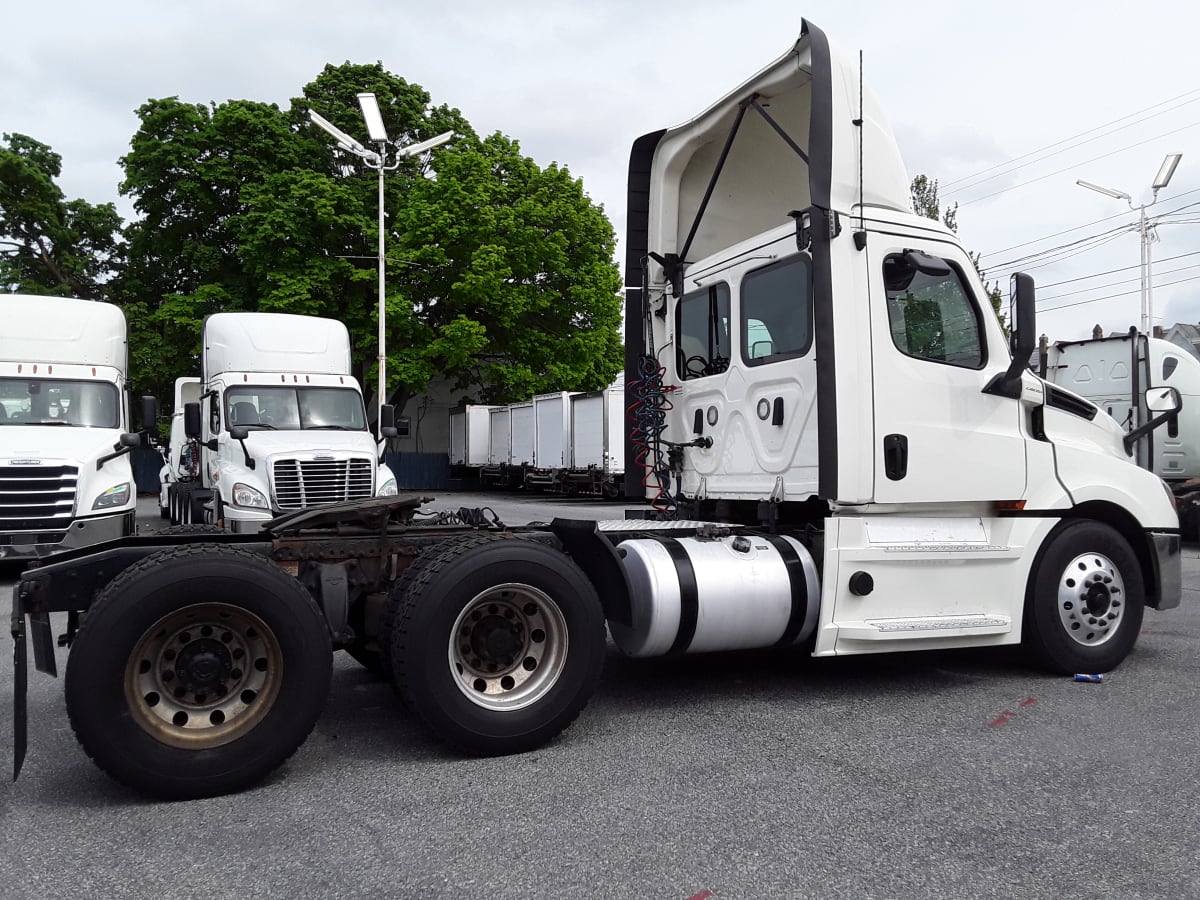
(703, 895)
(1003, 720)
(1028, 701)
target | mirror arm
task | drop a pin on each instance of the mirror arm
(1142, 430)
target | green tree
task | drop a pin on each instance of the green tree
(48, 244)
(925, 203)
(500, 273)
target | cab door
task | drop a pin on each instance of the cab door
(936, 345)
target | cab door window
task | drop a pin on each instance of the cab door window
(932, 317)
(776, 312)
(702, 330)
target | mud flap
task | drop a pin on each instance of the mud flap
(20, 687)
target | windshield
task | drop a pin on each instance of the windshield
(87, 404)
(295, 408)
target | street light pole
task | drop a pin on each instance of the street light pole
(377, 160)
(1145, 229)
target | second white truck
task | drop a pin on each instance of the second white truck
(280, 422)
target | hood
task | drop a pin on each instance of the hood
(54, 442)
(264, 443)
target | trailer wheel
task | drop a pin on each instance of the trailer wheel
(498, 643)
(1085, 601)
(197, 672)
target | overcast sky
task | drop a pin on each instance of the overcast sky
(1098, 90)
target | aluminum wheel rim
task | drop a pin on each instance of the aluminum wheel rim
(1091, 599)
(204, 675)
(508, 647)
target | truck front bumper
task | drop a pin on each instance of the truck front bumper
(81, 533)
(1168, 569)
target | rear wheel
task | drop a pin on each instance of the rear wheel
(197, 671)
(498, 643)
(1085, 601)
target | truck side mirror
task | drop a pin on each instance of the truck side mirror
(191, 420)
(1166, 402)
(1024, 342)
(1163, 400)
(387, 421)
(149, 413)
(1021, 297)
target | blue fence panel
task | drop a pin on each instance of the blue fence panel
(420, 471)
(146, 462)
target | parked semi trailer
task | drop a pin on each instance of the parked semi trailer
(847, 455)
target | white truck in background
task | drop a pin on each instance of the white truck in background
(280, 422)
(65, 437)
(181, 461)
(1114, 373)
(846, 454)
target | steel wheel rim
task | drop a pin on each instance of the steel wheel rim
(204, 675)
(1091, 599)
(508, 647)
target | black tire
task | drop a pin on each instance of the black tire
(154, 691)
(498, 643)
(1085, 600)
(164, 512)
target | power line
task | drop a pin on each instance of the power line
(1076, 228)
(1114, 296)
(1008, 264)
(1077, 165)
(1114, 271)
(1100, 287)
(974, 184)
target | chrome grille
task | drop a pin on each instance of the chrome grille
(316, 482)
(37, 498)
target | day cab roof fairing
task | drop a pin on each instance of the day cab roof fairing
(794, 137)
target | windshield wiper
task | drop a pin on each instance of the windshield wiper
(329, 428)
(52, 422)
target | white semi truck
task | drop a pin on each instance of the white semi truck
(280, 423)
(845, 454)
(65, 437)
(181, 461)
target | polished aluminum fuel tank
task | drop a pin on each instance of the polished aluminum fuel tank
(695, 595)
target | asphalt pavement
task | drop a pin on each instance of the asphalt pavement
(956, 774)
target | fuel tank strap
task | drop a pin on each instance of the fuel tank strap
(799, 588)
(689, 594)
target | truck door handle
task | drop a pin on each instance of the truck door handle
(895, 456)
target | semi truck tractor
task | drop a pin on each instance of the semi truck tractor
(65, 475)
(835, 448)
(280, 423)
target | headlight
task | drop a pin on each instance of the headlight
(387, 489)
(114, 496)
(245, 495)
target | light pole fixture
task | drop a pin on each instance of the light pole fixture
(377, 160)
(1145, 228)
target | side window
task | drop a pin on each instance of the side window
(214, 414)
(1170, 363)
(932, 316)
(702, 332)
(776, 312)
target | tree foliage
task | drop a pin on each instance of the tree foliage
(500, 273)
(48, 244)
